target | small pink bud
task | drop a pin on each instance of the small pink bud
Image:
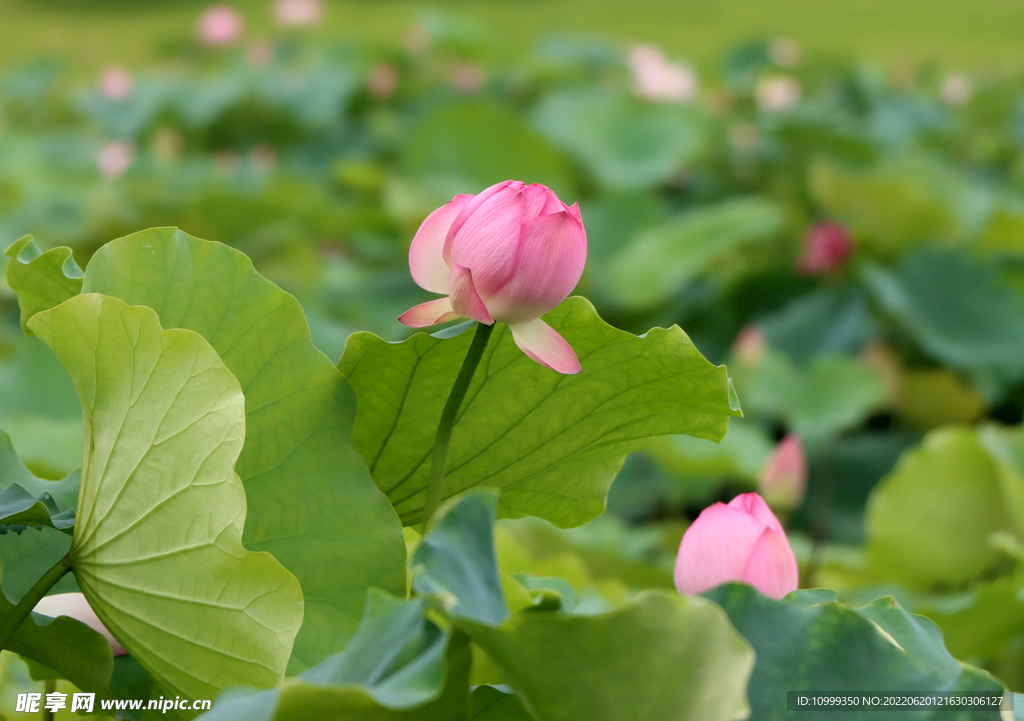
(509, 254)
(783, 477)
(116, 83)
(298, 13)
(742, 541)
(777, 93)
(219, 25)
(827, 246)
(382, 80)
(114, 158)
(74, 605)
(750, 346)
(467, 77)
(656, 78)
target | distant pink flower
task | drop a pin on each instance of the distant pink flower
(742, 541)
(298, 13)
(74, 605)
(656, 78)
(467, 77)
(219, 25)
(751, 345)
(116, 83)
(783, 477)
(956, 90)
(509, 254)
(777, 93)
(382, 80)
(114, 158)
(827, 246)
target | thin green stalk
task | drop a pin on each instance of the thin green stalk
(30, 599)
(435, 481)
(49, 687)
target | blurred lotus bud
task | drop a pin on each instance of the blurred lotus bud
(467, 77)
(114, 158)
(74, 605)
(750, 346)
(956, 91)
(784, 53)
(827, 246)
(783, 477)
(116, 83)
(382, 80)
(298, 13)
(416, 39)
(260, 53)
(656, 78)
(219, 25)
(263, 158)
(509, 254)
(776, 93)
(742, 541)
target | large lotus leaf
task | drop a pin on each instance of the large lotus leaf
(981, 622)
(664, 258)
(311, 501)
(28, 557)
(551, 443)
(956, 308)
(624, 143)
(18, 507)
(809, 643)
(664, 656)
(41, 280)
(490, 704)
(930, 520)
(399, 666)
(157, 548)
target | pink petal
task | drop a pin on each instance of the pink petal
(487, 241)
(540, 200)
(429, 313)
(548, 264)
(514, 185)
(754, 505)
(783, 477)
(716, 548)
(465, 299)
(574, 211)
(771, 568)
(543, 344)
(74, 605)
(426, 254)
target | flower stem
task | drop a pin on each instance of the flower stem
(435, 481)
(10, 624)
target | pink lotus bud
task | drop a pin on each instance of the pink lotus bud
(467, 77)
(509, 254)
(750, 346)
(783, 477)
(657, 79)
(777, 93)
(298, 13)
(219, 25)
(116, 83)
(114, 158)
(74, 605)
(382, 80)
(826, 247)
(742, 541)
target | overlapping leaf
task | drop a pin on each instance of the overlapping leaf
(551, 443)
(42, 280)
(157, 546)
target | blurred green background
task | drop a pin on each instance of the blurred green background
(828, 197)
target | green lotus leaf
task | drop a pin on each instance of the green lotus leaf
(19, 507)
(399, 666)
(157, 545)
(551, 443)
(664, 656)
(807, 642)
(490, 704)
(41, 280)
(311, 501)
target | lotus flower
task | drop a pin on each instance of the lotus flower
(219, 25)
(783, 477)
(509, 254)
(777, 93)
(742, 541)
(116, 83)
(298, 13)
(656, 78)
(826, 247)
(114, 158)
(74, 605)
